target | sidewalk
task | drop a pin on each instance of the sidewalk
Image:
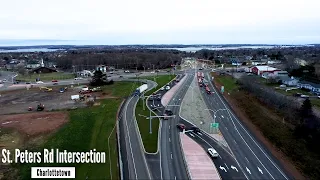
(168, 95)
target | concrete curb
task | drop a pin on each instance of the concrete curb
(180, 144)
(160, 122)
(120, 164)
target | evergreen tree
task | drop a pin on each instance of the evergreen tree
(97, 79)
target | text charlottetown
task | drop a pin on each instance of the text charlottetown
(52, 156)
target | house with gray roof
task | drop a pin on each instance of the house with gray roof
(313, 87)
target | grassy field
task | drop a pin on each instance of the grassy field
(150, 141)
(228, 82)
(90, 128)
(45, 76)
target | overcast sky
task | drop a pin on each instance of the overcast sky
(163, 21)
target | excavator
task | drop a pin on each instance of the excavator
(40, 107)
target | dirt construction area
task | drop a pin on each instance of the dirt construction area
(18, 101)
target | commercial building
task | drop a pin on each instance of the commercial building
(259, 70)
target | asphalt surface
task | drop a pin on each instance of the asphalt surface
(133, 157)
(170, 160)
(253, 157)
(225, 163)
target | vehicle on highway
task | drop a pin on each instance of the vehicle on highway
(162, 88)
(54, 80)
(78, 78)
(127, 71)
(208, 90)
(181, 126)
(168, 112)
(28, 82)
(200, 68)
(111, 72)
(195, 129)
(213, 153)
(39, 82)
(4, 80)
(120, 76)
(167, 87)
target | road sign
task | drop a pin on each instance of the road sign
(215, 125)
(222, 89)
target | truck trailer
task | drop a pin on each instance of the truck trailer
(141, 89)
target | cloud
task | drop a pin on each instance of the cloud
(170, 21)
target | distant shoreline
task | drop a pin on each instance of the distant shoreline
(187, 48)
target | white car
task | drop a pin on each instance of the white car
(213, 153)
(78, 78)
(39, 82)
(167, 87)
(162, 88)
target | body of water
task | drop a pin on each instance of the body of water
(29, 50)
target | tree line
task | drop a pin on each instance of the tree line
(126, 59)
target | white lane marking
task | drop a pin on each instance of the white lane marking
(235, 142)
(226, 128)
(125, 115)
(200, 133)
(169, 140)
(222, 116)
(191, 134)
(251, 139)
(226, 165)
(260, 170)
(171, 156)
(248, 170)
(246, 159)
(175, 177)
(220, 156)
(169, 126)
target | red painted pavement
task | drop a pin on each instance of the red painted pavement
(168, 95)
(200, 165)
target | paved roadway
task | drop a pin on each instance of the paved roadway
(225, 163)
(133, 157)
(169, 162)
(254, 159)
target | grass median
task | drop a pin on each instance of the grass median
(89, 128)
(150, 141)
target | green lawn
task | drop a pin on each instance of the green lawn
(294, 91)
(161, 80)
(45, 76)
(315, 102)
(90, 128)
(228, 82)
(150, 141)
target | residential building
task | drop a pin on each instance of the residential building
(235, 62)
(39, 70)
(273, 62)
(33, 64)
(258, 70)
(102, 68)
(281, 73)
(257, 63)
(289, 81)
(313, 87)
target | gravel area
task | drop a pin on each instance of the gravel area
(192, 109)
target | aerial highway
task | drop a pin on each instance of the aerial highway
(254, 159)
(132, 155)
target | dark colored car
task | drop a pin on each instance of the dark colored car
(54, 80)
(168, 112)
(181, 126)
(195, 129)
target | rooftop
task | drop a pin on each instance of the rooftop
(265, 68)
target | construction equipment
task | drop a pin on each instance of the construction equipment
(46, 89)
(40, 107)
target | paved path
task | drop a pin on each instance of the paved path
(168, 95)
(199, 163)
